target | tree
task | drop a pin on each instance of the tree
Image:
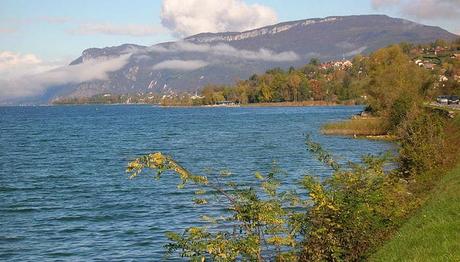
(406, 47)
(317, 90)
(266, 92)
(314, 62)
(242, 89)
(440, 43)
(213, 94)
(304, 89)
(422, 142)
(293, 84)
(392, 74)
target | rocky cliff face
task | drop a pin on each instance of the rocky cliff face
(222, 58)
(269, 30)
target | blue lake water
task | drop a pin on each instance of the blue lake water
(65, 196)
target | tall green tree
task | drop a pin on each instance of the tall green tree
(392, 75)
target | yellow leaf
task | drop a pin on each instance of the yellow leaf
(259, 176)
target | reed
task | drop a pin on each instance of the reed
(369, 126)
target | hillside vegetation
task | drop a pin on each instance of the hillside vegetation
(434, 68)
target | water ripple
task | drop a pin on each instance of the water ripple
(65, 195)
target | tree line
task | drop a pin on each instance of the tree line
(341, 81)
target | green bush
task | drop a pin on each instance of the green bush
(340, 218)
(399, 110)
(422, 142)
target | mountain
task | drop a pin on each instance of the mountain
(222, 58)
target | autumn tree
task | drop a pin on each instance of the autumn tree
(393, 75)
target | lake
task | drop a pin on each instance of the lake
(65, 196)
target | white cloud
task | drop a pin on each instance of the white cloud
(95, 69)
(356, 51)
(422, 9)
(190, 17)
(184, 65)
(8, 59)
(229, 51)
(15, 64)
(262, 54)
(111, 29)
(32, 76)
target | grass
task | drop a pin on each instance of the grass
(369, 126)
(433, 233)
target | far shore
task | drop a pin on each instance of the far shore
(301, 103)
(273, 104)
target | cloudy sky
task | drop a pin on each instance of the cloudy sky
(59, 30)
(39, 37)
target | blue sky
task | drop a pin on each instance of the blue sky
(60, 30)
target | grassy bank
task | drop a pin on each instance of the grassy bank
(433, 233)
(370, 126)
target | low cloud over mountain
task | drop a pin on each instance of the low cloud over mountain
(32, 77)
(185, 65)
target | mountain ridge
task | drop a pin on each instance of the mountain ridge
(222, 58)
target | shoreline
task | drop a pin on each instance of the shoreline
(255, 105)
(300, 104)
(274, 104)
(252, 105)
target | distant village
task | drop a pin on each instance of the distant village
(434, 58)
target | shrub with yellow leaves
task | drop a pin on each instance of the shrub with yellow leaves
(333, 221)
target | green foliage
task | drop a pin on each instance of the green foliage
(433, 233)
(294, 85)
(348, 208)
(399, 109)
(332, 221)
(314, 61)
(406, 47)
(259, 219)
(422, 142)
(213, 94)
(393, 75)
(321, 154)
